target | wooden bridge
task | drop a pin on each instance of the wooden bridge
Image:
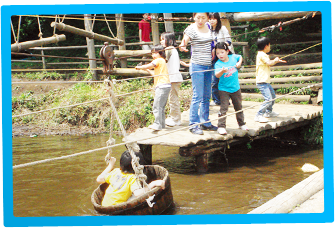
(291, 116)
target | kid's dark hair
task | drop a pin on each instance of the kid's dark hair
(221, 45)
(125, 161)
(262, 42)
(196, 13)
(170, 39)
(217, 17)
(159, 49)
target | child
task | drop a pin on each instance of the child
(161, 83)
(144, 30)
(263, 64)
(168, 41)
(122, 181)
(226, 70)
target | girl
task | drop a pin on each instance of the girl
(226, 70)
(200, 69)
(161, 83)
(173, 64)
(220, 34)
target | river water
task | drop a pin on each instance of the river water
(248, 179)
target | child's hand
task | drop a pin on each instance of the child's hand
(278, 60)
(138, 67)
(238, 65)
(224, 70)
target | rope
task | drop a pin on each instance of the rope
(155, 136)
(110, 30)
(11, 25)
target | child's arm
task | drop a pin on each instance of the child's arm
(145, 67)
(239, 63)
(110, 167)
(275, 61)
(184, 42)
(155, 183)
(220, 73)
(184, 64)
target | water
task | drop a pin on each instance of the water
(64, 187)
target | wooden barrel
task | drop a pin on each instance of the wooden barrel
(138, 206)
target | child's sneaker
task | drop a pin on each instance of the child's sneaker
(244, 128)
(154, 127)
(222, 131)
(271, 114)
(261, 119)
(171, 123)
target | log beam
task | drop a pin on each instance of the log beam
(17, 47)
(286, 73)
(82, 32)
(259, 16)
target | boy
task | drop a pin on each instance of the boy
(122, 181)
(263, 64)
(144, 31)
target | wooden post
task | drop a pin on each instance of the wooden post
(43, 59)
(146, 151)
(121, 36)
(201, 163)
(168, 24)
(154, 28)
(90, 47)
(226, 23)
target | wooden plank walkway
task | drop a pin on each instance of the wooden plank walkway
(290, 117)
(288, 114)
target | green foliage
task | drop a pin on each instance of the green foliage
(313, 133)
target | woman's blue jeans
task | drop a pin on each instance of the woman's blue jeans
(215, 89)
(268, 94)
(201, 84)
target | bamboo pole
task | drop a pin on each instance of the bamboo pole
(81, 32)
(17, 47)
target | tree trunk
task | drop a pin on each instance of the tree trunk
(121, 36)
(168, 24)
(155, 30)
(90, 47)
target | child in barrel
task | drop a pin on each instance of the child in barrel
(122, 181)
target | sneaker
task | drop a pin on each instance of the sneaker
(271, 114)
(210, 128)
(261, 119)
(222, 131)
(154, 127)
(171, 123)
(244, 128)
(196, 131)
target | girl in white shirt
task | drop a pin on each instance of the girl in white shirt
(168, 41)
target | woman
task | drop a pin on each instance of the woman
(220, 34)
(201, 71)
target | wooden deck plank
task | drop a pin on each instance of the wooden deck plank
(289, 114)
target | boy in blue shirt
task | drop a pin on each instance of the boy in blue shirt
(229, 87)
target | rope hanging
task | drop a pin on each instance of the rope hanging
(131, 146)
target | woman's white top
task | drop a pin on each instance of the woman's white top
(222, 35)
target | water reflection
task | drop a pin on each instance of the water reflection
(64, 187)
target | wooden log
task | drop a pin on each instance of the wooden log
(17, 47)
(320, 96)
(121, 36)
(286, 73)
(297, 98)
(259, 16)
(278, 86)
(90, 47)
(81, 32)
(289, 199)
(288, 67)
(131, 72)
(154, 29)
(125, 53)
(285, 79)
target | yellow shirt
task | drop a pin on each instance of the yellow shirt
(121, 187)
(162, 70)
(262, 69)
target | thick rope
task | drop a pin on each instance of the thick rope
(110, 30)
